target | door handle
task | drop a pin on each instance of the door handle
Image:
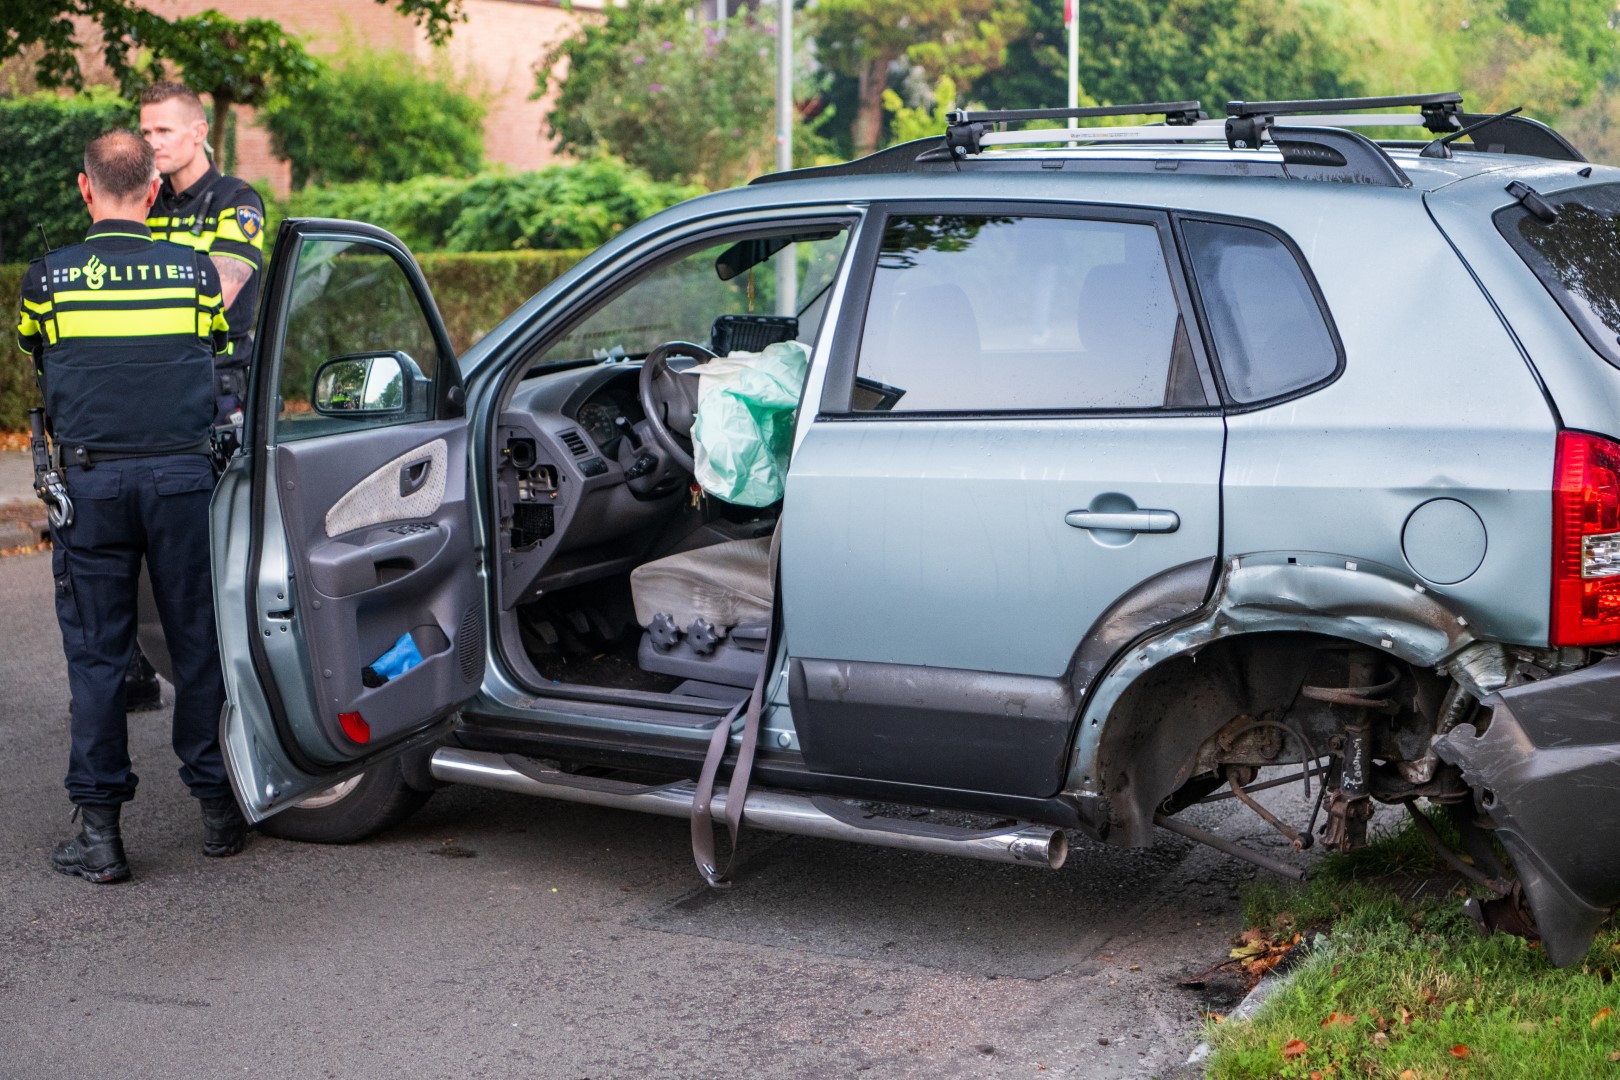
(1152, 521)
(413, 476)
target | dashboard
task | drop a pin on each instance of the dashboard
(566, 512)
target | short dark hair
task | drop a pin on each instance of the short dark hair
(119, 164)
(160, 92)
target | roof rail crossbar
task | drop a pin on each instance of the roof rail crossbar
(1442, 112)
(964, 128)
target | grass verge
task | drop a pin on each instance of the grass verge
(1406, 988)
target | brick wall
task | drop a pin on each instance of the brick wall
(498, 45)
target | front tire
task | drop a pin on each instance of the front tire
(360, 807)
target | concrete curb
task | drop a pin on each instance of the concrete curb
(1271, 982)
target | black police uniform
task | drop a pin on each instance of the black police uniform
(222, 217)
(124, 331)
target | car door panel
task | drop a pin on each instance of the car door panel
(940, 550)
(382, 564)
(1015, 436)
(345, 526)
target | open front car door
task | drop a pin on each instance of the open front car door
(347, 588)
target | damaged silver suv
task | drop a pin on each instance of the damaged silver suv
(1127, 462)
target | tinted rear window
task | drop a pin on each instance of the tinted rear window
(1577, 257)
(979, 313)
(1270, 334)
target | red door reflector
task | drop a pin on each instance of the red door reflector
(355, 726)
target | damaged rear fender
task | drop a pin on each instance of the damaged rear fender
(1546, 771)
(1370, 604)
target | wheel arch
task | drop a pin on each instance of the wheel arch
(1131, 744)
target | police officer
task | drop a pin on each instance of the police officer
(223, 217)
(220, 216)
(123, 330)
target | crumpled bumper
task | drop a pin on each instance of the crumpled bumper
(1547, 773)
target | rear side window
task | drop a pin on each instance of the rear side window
(1577, 258)
(1270, 335)
(998, 313)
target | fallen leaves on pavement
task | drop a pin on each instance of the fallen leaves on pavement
(1258, 952)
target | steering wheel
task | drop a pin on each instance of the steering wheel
(669, 398)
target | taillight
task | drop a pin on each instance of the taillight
(1586, 541)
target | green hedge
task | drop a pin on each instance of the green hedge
(474, 291)
(42, 139)
(17, 392)
(477, 289)
(580, 205)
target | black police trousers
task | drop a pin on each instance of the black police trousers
(156, 508)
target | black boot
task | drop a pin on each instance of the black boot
(224, 827)
(141, 689)
(97, 853)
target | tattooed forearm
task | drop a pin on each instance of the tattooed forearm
(233, 274)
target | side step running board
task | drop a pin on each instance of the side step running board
(773, 811)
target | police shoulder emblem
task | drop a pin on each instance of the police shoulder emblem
(250, 220)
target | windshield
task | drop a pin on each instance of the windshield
(1577, 257)
(721, 295)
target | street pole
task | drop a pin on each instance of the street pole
(787, 267)
(1071, 19)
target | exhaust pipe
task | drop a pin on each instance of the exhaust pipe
(773, 811)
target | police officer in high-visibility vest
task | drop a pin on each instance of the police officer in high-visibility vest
(221, 216)
(123, 330)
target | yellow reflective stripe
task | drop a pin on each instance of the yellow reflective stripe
(51, 333)
(77, 324)
(184, 238)
(27, 325)
(108, 296)
(220, 324)
(209, 301)
(39, 306)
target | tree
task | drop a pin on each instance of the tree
(684, 100)
(127, 28)
(908, 124)
(378, 115)
(863, 39)
(234, 63)
(578, 66)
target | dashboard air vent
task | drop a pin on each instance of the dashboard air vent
(575, 442)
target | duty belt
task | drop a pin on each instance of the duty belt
(69, 454)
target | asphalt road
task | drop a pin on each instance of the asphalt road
(495, 935)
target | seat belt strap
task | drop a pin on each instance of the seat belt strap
(703, 845)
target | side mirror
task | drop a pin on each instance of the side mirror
(368, 385)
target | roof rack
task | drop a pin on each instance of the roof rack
(966, 129)
(1442, 114)
(1312, 137)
